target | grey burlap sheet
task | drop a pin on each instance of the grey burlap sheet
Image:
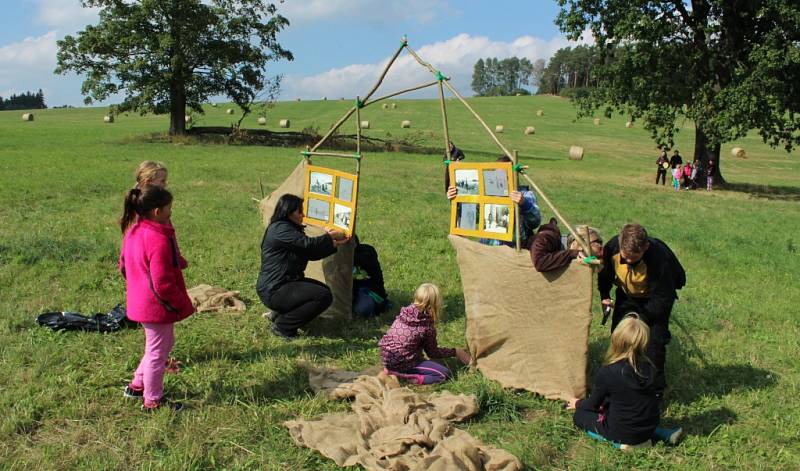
(207, 298)
(525, 329)
(335, 271)
(394, 428)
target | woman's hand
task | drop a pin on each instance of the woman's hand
(463, 356)
(335, 234)
(572, 403)
(452, 192)
(516, 197)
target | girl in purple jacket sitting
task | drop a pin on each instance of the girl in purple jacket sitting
(156, 292)
(412, 332)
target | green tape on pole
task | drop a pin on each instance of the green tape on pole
(447, 162)
(306, 153)
(359, 103)
(440, 76)
(589, 260)
(357, 156)
(518, 167)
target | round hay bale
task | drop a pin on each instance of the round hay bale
(385, 106)
(576, 153)
(229, 111)
(629, 124)
(530, 130)
(394, 105)
(324, 98)
(187, 119)
(539, 112)
(213, 105)
(738, 152)
(597, 121)
(27, 117)
(405, 123)
(518, 94)
(499, 128)
(262, 121)
(284, 123)
(108, 118)
(364, 124)
(298, 98)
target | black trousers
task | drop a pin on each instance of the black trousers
(659, 335)
(662, 174)
(298, 302)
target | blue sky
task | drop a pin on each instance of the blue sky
(339, 46)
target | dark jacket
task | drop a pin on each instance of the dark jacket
(285, 253)
(675, 160)
(664, 275)
(411, 333)
(629, 401)
(547, 253)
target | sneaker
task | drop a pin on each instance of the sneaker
(271, 315)
(175, 406)
(282, 334)
(131, 393)
(625, 447)
(672, 436)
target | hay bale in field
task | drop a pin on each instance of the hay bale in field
(298, 98)
(108, 118)
(394, 105)
(629, 124)
(284, 123)
(405, 123)
(229, 111)
(187, 119)
(385, 106)
(576, 153)
(213, 105)
(597, 121)
(738, 152)
(499, 128)
(539, 112)
(324, 98)
(364, 124)
(27, 117)
(530, 130)
(262, 121)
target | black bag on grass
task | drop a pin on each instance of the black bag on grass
(116, 319)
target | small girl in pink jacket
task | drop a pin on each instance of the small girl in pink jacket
(156, 293)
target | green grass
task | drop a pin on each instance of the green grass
(732, 365)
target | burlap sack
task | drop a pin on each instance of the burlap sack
(335, 271)
(526, 329)
(207, 298)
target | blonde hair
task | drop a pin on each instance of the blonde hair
(594, 234)
(628, 342)
(147, 172)
(428, 298)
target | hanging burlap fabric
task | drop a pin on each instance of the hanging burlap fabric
(335, 271)
(526, 329)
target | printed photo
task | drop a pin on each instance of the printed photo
(467, 181)
(495, 182)
(341, 216)
(495, 218)
(344, 189)
(320, 183)
(318, 209)
(467, 216)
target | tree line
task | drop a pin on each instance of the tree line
(493, 77)
(568, 70)
(24, 101)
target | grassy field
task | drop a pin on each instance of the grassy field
(732, 365)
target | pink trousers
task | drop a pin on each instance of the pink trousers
(158, 342)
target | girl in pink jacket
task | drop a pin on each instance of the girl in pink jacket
(156, 293)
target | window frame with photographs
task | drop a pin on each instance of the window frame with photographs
(332, 200)
(483, 200)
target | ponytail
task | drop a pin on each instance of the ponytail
(140, 201)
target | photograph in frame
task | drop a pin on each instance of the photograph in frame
(344, 189)
(342, 216)
(467, 216)
(318, 209)
(496, 218)
(466, 181)
(495, 182)
(320, 183)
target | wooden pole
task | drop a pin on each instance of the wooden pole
(332, 154)
(358, 126)
(444, 122)
(334, 128)
(418, 87)
(515, 181)
(386, 69)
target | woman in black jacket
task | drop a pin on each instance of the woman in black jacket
(285, 252)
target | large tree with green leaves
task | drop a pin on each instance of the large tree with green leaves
(728, 65)
(167, 55)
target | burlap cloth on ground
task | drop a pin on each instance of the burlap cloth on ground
(335, 271)
(207, 298)
(392, 427)
(526, 329)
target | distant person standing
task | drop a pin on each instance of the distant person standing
(676, 159)
(663, 164)
(454, 154)
(710, 175)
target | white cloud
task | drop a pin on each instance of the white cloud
(360, 11)
(67, 16)
(32, 54)
(455, 57)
